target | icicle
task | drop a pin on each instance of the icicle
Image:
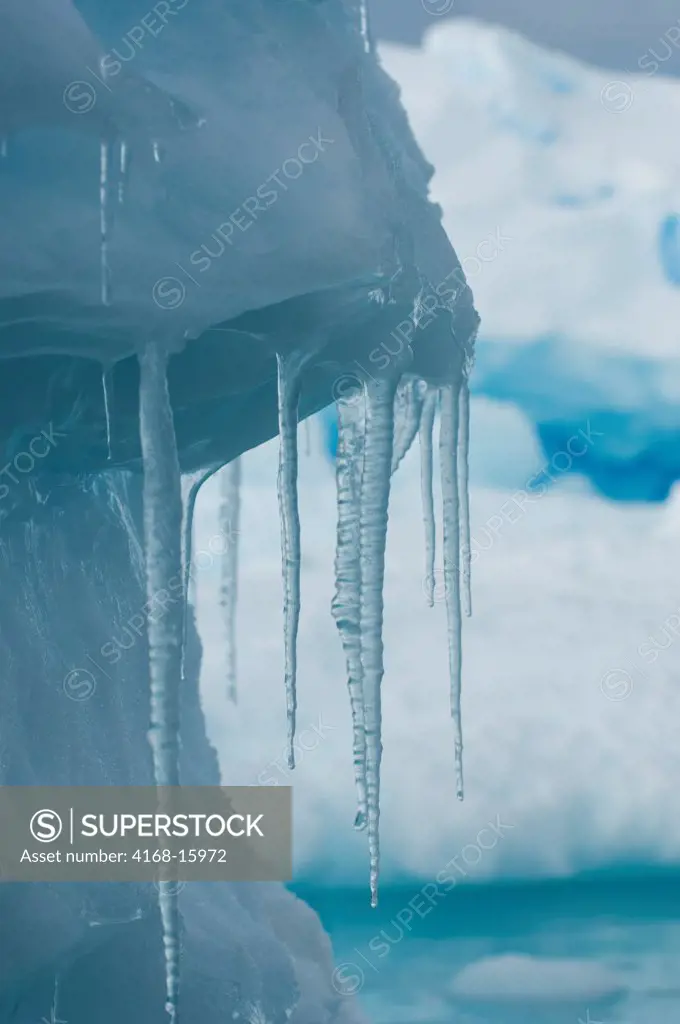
(408, 405)
(163, 543)
(364, 25)
(229, 523)
(190, 486)
(104, 219)
(156, 151)
(464, 494)
(448, 458)
(288, 395)
(426, 466)
(123, 172)
(346, 604)
(375, 491)
(308, 437)
(54, 1008)
(106, 388)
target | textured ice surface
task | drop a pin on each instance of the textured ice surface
(567, 177)
(570, 730)
(184, 89)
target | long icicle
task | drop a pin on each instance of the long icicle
(230, 509)
(163, 537)
(464, 490)
(408, 406)
(375, 493)
(346, 604)
(104, 157)
(106, 389)
(364, 26)
(123, 171)
(191, 485)
(448, 458)
(427, 496)
(288, 396)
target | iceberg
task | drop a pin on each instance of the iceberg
(214, 215)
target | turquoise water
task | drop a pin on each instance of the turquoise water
(401, 962)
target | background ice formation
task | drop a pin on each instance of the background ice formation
(575, 170)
